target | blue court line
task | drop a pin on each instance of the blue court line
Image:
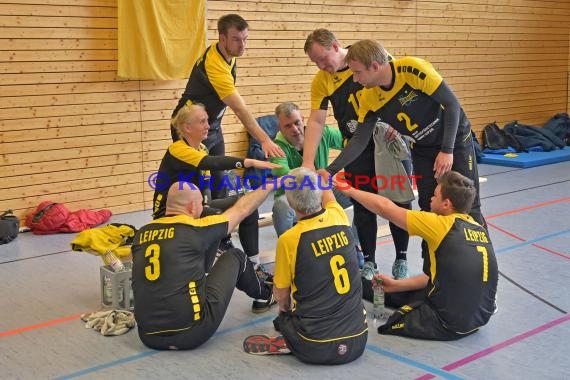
(413, 363)
(532, 241)
(148, 353)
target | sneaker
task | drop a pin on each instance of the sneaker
(400, 269)
(276, 324)
(225, 245)
(264, 275)
(261, 306)
(265, 345)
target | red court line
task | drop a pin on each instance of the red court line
(533, 244)
(500, 346)
(39, 325)
(565, 199)
(384, 242)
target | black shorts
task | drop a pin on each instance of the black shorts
(418, 320)
(338, 351)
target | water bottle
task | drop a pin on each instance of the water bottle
(108, 292)
(379, 310)
(368, 270)
(110, 259)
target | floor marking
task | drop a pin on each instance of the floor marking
(413, 363)
(531, 241)
(515, 211)
(151, 352)
(39, 325)
(524, 240)
(531, 293)
(500, 346)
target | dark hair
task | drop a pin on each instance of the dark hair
(459, 189)
(231, 21)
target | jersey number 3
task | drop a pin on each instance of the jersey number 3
(152, 270)
(340, 274)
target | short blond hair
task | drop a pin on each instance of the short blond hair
(366, 52)
(184, 115)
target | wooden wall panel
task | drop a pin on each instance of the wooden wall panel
(74, 132)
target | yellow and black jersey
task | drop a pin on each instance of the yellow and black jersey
(170, 259)
(342, 92)
(316, 259)
(180, 163)
(344, 95)
(463, 272)
(211, 80)
(407, 105)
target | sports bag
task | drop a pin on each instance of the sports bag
(9, 227)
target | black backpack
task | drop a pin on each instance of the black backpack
(9, 227)
(496, 138)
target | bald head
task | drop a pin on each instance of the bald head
(184, 198)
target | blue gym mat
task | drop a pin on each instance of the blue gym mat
(527, 160)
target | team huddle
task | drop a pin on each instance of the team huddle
(396, 117)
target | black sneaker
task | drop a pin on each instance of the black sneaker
(264, 275)
(225, 245)
(261, 306)
(276, 324)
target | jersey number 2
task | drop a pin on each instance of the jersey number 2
(404, 117)
(340, 274)
(152, 270)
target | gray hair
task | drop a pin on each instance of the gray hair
(286, 108)
(303, 191)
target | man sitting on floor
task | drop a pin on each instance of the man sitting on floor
(456, 293)
(317, 281)
(180, 296)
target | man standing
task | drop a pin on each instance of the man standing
(180, 298)
(317, 281)
(334, 83)
(412, 97)
(212, 83)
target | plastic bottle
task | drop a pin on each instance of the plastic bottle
(110, 259)
(108, 292)
(379, 310)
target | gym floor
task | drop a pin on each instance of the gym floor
(47, 287)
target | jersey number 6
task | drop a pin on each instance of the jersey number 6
(340, 274)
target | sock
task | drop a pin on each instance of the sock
(402, 255)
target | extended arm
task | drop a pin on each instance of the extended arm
(313, 134)
(236, 103)
(354, 148)
(247, 204)
(406, 284)
(228, 162)
(376, 203)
